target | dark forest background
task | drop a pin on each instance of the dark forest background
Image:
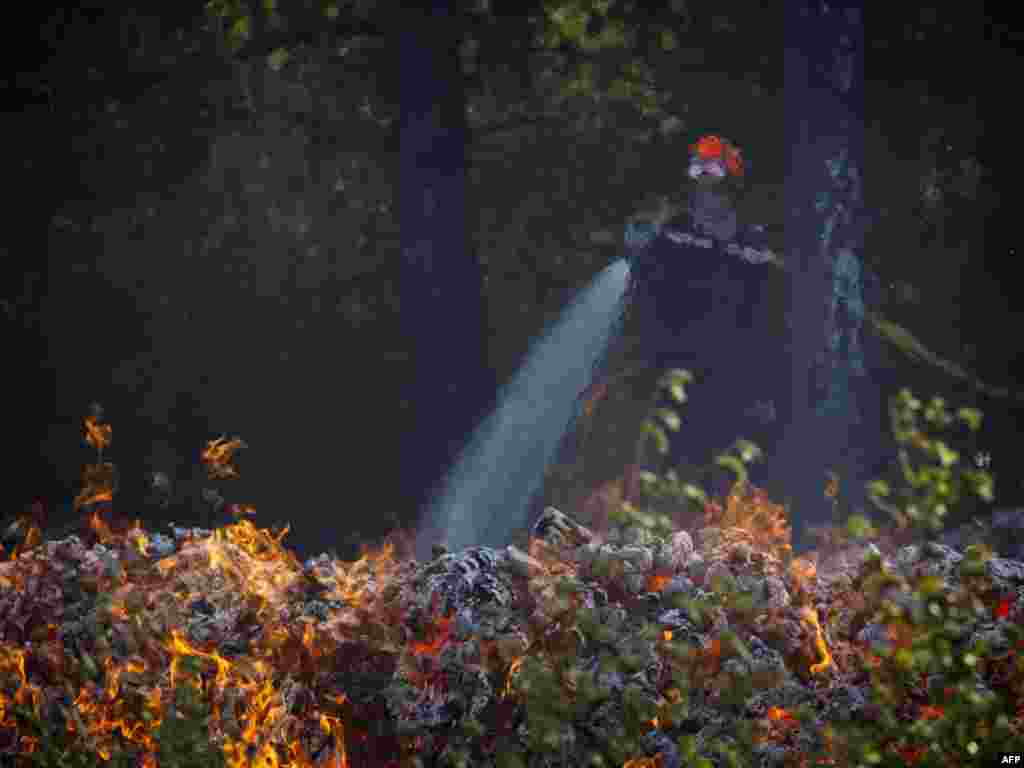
(207, 252)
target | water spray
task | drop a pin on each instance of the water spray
(486, 495)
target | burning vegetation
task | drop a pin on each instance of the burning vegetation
(640, 646)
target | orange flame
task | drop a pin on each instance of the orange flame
(748, 507)
(657, 582)
(781, 715)
(644, 762)
(803, 569)
(261, 569)
(97, 435)
(99, 481)
(439, 632)
(811, 616)
(217, 457)
(513, 670)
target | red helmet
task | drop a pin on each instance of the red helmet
(713, 147)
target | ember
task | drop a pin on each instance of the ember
(126, 644)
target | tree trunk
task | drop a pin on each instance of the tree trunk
(835, 413)
(441, 283)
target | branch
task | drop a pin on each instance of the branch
(907, 343)
(910, 346)
(518, 124)
(310, 34)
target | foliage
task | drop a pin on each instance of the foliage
(182, 739)
(936, 483)
(590, 45)
(932, 672)
(674, 488)
(930, 668)
(555, 693)
(927, 706)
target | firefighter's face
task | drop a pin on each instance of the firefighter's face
(707, 172)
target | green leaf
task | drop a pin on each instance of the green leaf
(509, 758)
(331, 11)
(935, 412)
(971, 417)
(239, 32)
(947, 456)
(620, 89)
(649, 104)
(656, 433)
(278, 58)
(859, 527)
(984, 485)
(677, 393)
(669, 417)
(878, 488)
(930, 586)
(733, 463)
(571, 22)
(667, 40)
(695, 493)
(909, 401)
(550, 38)
(693, 610)
(748, 451)
(679, 375)
(613, 35)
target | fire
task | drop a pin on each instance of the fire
(180, 647)
(513, 670)
(355, 581)
(911, 755)
(440, 634)
(811, 616)
(332, 726)
(271, 703)
(97, 435)
(99, 526)
(657, 582)
(252, 721)
(27, 693)
(548, 561)
(748, 507)
(98, 481)
(779, 714)
(803, 569)
(33, 538)
(644, 762)
(217, 457)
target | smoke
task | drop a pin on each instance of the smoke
(486, 495)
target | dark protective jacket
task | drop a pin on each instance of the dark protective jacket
(692, 302)
(696, 303)
(716, 309)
